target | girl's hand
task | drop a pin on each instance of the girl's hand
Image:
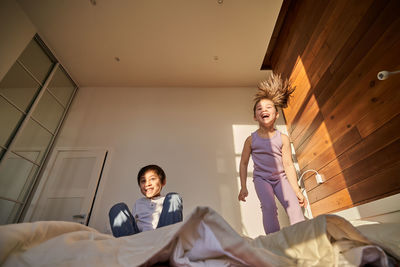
(302, 200)
(243, 194)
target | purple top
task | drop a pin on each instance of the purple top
(267, 156)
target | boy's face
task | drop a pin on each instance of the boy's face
(150, 184)
(265, 112)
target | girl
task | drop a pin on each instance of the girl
(274, 172)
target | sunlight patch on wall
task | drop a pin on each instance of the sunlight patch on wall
(313, 145)
(299, 79)
(335, 201)
(250, 210)
(320, 142)
(240, 133)
(310, 134)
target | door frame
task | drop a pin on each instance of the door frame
(98, 193)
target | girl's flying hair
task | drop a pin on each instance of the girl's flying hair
(275, 89)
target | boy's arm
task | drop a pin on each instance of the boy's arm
(290, 170)
(244, 162)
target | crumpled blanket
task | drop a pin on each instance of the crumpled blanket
(204, 238)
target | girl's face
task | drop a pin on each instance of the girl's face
(150, 184)
(265, 112)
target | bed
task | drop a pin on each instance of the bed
(204, 238)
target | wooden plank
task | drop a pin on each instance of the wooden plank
(386, 135)
(363, 71)
(337, 64)
(337, 201)
(357, 172)
(305, 60)
(326, 163)
(300, 81)
(365, 92)
(326, 189)
(385, 183)
(324, 154)
(315, 145)
(367, 33)
(304, 137)
(319, 150)
(286, 6)
(382, 183)
(332, 14)
(285, 36)
(340, 31)
(347, 126)
(287, 51)
(388, 194)
(308, 122)
(386, 108)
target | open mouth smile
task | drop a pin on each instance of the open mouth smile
(264, 116)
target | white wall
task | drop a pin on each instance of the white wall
(187, 131)
(16, 32)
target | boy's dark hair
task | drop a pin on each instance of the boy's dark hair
(157, 169)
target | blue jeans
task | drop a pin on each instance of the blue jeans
(123, 224)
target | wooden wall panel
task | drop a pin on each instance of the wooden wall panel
(357, 46)
(358, 172)
(342, 120)
(385, 135)
(362, 86)
(387, 106)
(358, 193)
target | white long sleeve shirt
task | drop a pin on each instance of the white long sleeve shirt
(147, 212)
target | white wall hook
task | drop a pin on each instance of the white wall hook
(383, 75)
(318, 177)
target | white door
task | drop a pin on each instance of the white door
(70, 187)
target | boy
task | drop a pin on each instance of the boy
(149, 212)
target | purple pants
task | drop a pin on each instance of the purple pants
(266, 189)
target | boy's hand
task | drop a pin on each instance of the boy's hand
(302, 200)
(243, 194)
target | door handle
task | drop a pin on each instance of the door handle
(79, 216)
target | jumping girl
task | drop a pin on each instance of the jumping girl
(274, 172)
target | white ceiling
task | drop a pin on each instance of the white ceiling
(160, 43)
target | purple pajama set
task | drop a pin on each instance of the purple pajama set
(270, 179)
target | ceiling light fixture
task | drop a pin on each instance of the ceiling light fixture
(117, 59)
(93, 2)
(220, 1)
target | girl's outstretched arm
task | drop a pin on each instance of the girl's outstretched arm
(290, 170)
(244, 162)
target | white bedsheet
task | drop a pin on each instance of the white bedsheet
(203, 239)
